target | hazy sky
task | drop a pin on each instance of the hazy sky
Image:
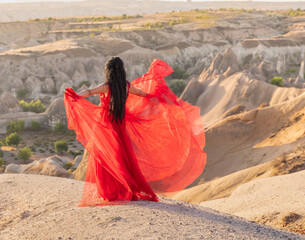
(19, 1)
(16, 1)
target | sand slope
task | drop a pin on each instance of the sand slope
(254, 137)
(42, 207)
(267, 200)
(224, 186)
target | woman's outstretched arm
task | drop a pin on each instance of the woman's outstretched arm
(102, 88)
(136, 91)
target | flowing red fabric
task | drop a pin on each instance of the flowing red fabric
(157, 149)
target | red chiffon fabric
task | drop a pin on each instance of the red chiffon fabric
(157, 149)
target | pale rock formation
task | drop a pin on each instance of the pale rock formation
(47, 85)
(257, 73)
(56, 107)
(63, 87)
(60, 78)
(13, 168)
(80, 172)
(23, 73)
(266, 68)
(280, 64)
(300, 78)
(51, 166)
(3, 108)
(78, 78)
(77, 160)
(9, 100)
(229, 60)
(17, 84)
(83, 87)
(223, 65)
(31, 83)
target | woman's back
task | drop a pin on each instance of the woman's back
(106, 96)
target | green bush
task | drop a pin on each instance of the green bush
(1, 162)
(1, 153)
(35, 126)
(292, 70)
(33, 106)
(177, 86)
(178, 74)
(278, 81)
(15, 126)
(13, 139)
(60, 128)
(61, 146)
(24, 153)
(21, 93)
(154, 25)
(2, 142)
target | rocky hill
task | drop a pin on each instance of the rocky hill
(227, 59)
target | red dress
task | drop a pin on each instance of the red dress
(158, 148)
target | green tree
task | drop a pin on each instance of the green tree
(15, 126)
(1, 162)
(278, 81)
(35, 126)
(13, 139)
(61, 146)
(24, 153)
(1, 153)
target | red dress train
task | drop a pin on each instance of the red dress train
(157, 149)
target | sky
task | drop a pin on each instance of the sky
(18, 1)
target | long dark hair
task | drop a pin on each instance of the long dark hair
(116, 78)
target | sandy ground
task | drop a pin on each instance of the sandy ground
(43, 207)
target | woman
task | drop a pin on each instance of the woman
(141, 140)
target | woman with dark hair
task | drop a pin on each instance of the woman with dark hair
(141, 140)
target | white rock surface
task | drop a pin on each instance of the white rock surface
(43, 207)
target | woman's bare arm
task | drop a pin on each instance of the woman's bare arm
(102, 88)
(136, 91)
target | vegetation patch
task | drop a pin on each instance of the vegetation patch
(177, 86)
(15, 126)
(13, 139)
(278, 81)
(22, 93)
(24, 153)
(61, 146)
(33, 106)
